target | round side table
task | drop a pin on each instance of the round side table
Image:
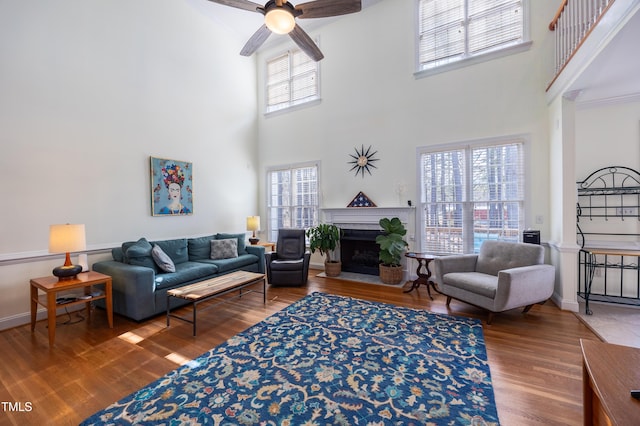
(423, 276)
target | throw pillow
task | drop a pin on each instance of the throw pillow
(239, 238)
(176, 249)
(139, 254)
(163, 261)
(224, 249)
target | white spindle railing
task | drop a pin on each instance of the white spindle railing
(572, 24)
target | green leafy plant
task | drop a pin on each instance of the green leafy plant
(325, 239)
(391, 242)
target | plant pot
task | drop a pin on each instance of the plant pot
(332, 269)
(391, 274)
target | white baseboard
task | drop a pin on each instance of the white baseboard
(25, 317)
(565, 305)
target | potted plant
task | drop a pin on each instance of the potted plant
(325, 238)
(392, 248)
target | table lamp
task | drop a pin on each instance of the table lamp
(253, 224)
(65, 239)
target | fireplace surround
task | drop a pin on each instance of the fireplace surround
(360, 226)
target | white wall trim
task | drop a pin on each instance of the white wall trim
(564, 304)
(615, 100)
(25, 317)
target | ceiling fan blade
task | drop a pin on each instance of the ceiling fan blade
(304, 42)
(256, 41)
(327, 8)
(241, 4)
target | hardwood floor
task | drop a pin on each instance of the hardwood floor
(535, 358)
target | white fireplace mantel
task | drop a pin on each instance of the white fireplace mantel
(366, 217)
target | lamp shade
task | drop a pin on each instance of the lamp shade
(66, 238)
(279, 21)
(253, 223)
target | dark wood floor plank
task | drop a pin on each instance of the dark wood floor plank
(535, 358)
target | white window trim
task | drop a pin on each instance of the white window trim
(450, 146)
(524, 46)
(270, 169)
(293, 108)
(298, 106)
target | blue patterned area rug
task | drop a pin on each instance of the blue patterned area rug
(327, 359)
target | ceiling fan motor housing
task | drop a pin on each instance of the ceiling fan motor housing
(280, 19)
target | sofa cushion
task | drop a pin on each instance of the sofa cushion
(175, 249)
(186, 272)
(240, 237)
(474, 282)
(287, 264)
(163, 261)
(224, 249)
(139, 254)
(200, 247)
(117, 254)
(496, 256)
(226, 265)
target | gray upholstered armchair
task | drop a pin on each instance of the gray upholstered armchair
(502, 276)
(289, 264)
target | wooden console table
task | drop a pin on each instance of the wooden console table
(51, 286)
(609, 374)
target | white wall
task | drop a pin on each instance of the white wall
(607, 135)
(89, 91)
(370, 97)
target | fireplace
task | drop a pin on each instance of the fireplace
(358, 248)
(359, 251)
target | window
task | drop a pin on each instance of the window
(293, 200)
(292, 79)
(470, 194)
(457, 30)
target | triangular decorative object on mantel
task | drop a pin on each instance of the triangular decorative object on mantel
(361, 200)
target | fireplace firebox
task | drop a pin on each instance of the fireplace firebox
(359, 251)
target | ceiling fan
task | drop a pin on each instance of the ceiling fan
(279, 18)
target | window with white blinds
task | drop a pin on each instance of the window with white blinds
(292, 198)
(455, 30)
(292, 79)
(470, 194)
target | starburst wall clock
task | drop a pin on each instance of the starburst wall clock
(363, 160)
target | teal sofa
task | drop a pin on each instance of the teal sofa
(140, 282)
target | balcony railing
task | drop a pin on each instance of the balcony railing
(573, 22)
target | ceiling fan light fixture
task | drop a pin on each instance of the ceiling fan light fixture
(279, 21)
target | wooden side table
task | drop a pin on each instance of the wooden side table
(423, 277)
(51, 286)
(266, 245)
(610, 372)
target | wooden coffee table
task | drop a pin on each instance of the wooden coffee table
(51, 286)
(209, 289)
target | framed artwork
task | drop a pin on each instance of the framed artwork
(171, 187)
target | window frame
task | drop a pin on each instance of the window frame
(467, 216)
(473, 59)
(271, 232)
(290, 105)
